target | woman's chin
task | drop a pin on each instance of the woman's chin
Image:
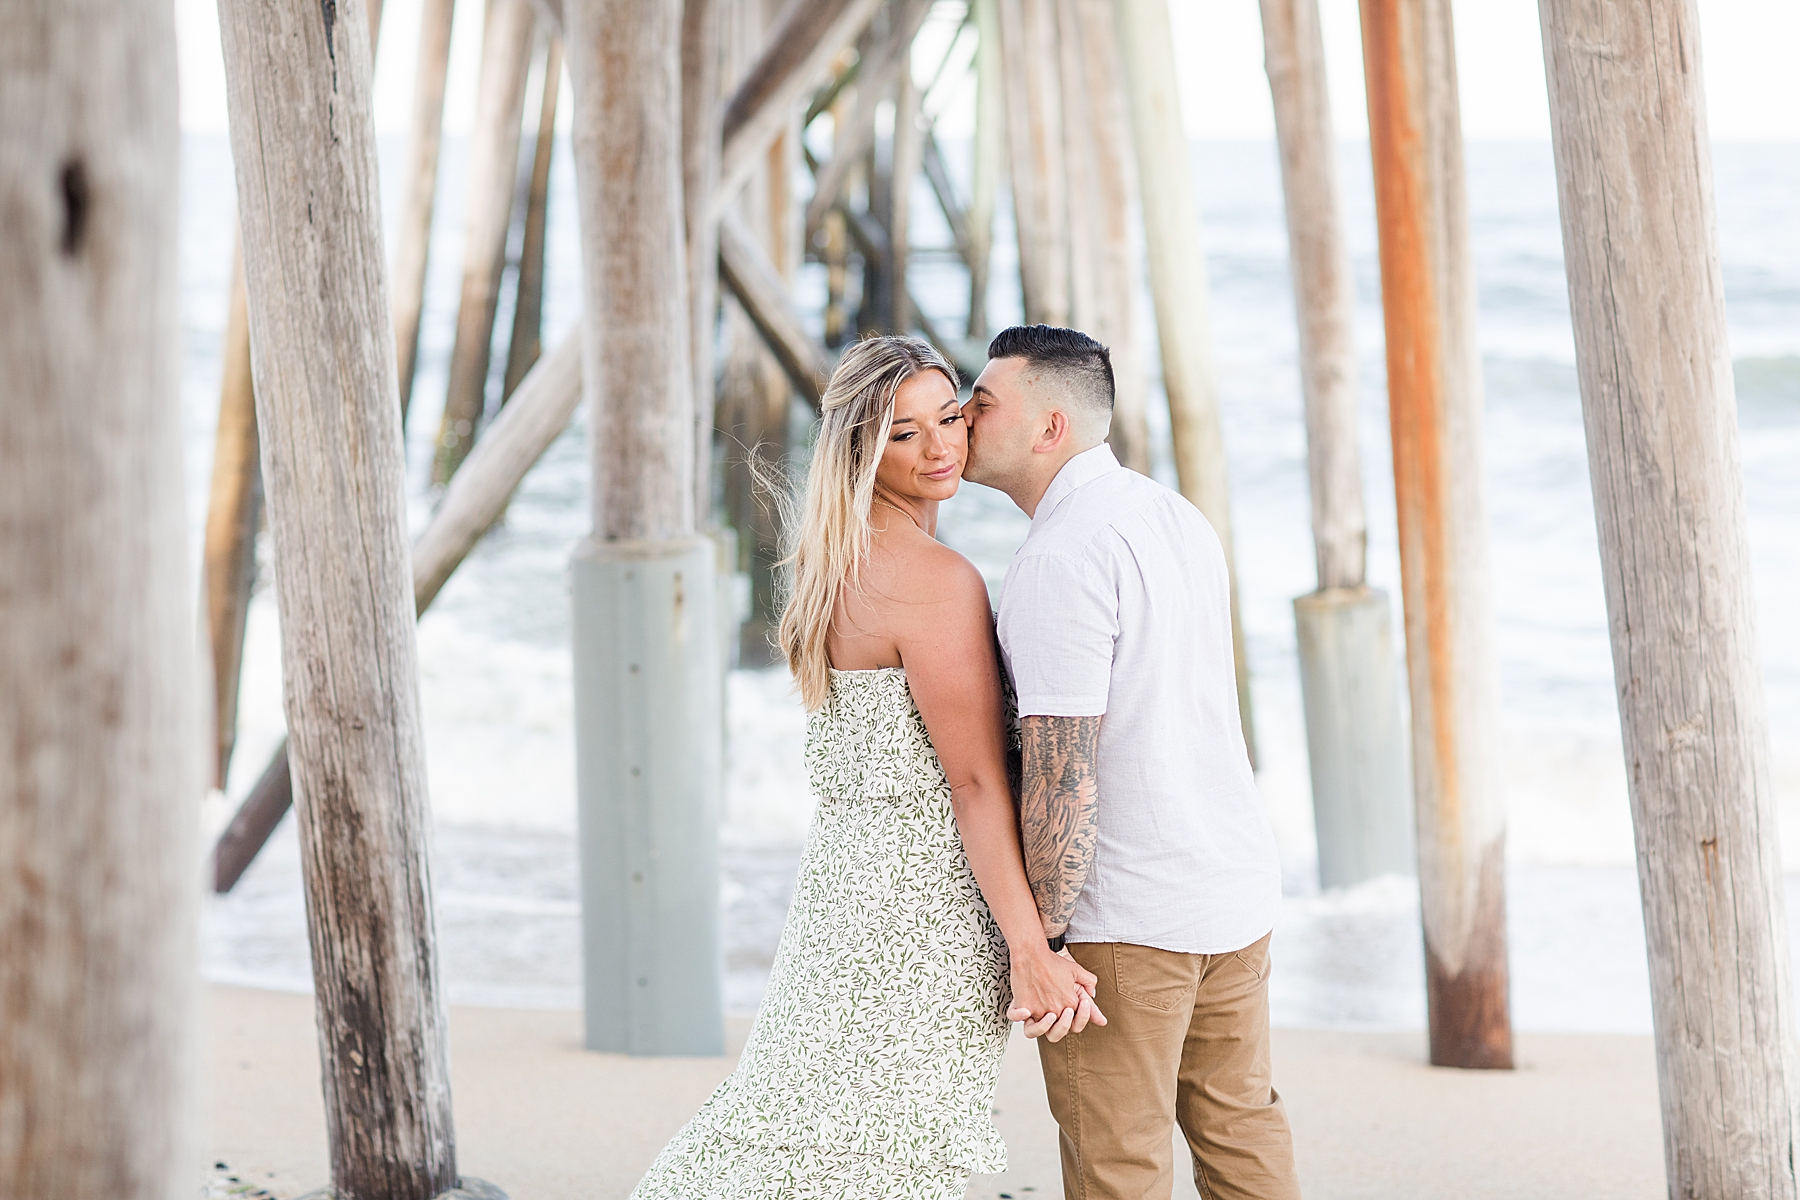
(939, 489)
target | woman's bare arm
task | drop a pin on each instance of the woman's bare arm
(943, 628)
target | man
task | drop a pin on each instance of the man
(1147, 844)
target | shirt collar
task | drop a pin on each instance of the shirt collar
(1085, 467)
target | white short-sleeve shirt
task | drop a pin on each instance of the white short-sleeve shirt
(1117, 605)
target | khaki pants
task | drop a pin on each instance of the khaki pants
(1186, 1040)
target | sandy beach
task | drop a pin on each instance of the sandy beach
(545, 1120)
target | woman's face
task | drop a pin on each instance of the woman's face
(928, 443)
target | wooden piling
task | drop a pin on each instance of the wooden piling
(1102, 200)
(989, 152)
(528, 308)
(1634, 176)
(540, 410)
(233, 515)
(702, 81)
(1355, 735)
(1178, 288)
(328, 411)
(1434, 405)
(908, 151)
(413, 247)
(493, 158)
(647, 664)
(1324, 289)
(100, 721)
(1032, 76)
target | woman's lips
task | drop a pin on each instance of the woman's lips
(946, 473)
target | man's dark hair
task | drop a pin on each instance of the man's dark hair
(1084, 365)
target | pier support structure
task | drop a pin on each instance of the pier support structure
(101, 768)
(647, 674)
(1634, 175)
(328, 411)
(1434, 407)
(1355, 738)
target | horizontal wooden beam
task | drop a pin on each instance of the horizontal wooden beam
(759, 287)
(538, 412)
(799, 48)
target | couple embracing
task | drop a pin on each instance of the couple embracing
(1060, 829)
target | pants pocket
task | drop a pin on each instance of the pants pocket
(1255, 957)
(1159, 979)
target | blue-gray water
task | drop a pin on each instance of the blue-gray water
(493, 649)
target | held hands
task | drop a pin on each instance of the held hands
(1052, 994)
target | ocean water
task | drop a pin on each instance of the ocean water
(495, 677)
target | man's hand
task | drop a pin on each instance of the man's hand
(1054, 1020)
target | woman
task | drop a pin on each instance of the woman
(870, 1072)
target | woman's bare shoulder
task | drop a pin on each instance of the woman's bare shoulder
(921, 571)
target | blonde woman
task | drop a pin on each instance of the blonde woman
(870, 1072)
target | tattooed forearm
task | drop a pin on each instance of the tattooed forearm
(1057, 799)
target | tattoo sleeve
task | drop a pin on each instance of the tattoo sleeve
(1058, 796)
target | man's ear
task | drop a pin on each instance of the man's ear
(1052, 432)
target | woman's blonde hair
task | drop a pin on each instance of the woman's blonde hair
(830, 542)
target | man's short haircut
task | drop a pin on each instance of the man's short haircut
(1077, 361)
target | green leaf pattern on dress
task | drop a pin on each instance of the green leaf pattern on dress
(870, 1071)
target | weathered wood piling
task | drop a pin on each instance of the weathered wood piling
(493, 157)
(1356, 742)
(1634, 173)
(329, 415)
(1102, 207)
(647, 663)
(413, 250)
(1434, 404)
(100, 721)
(1031, 72)
(1178, 288)
(233, 516)
(527, 341)
(540, 410)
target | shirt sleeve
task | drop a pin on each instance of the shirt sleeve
(1059, 620)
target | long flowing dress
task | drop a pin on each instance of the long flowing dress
(870, 1071)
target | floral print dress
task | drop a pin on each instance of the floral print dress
(870, 1071)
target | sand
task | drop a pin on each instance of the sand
(545, 1120)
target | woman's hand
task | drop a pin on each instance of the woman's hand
(1052, 993)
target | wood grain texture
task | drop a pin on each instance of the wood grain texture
(906, 160)
(989, 151)
(1102, 205)
(1634, 175)
(799, 48)
(702, 123)
(233, 514)
(625, 64)
(1324, 289)
(1031, 70)
(493, 163)
(540, 410)
(1178, 287)
(412, 251)
(527, 341)
(297, 82)
(1434, 403)
(98, 667)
